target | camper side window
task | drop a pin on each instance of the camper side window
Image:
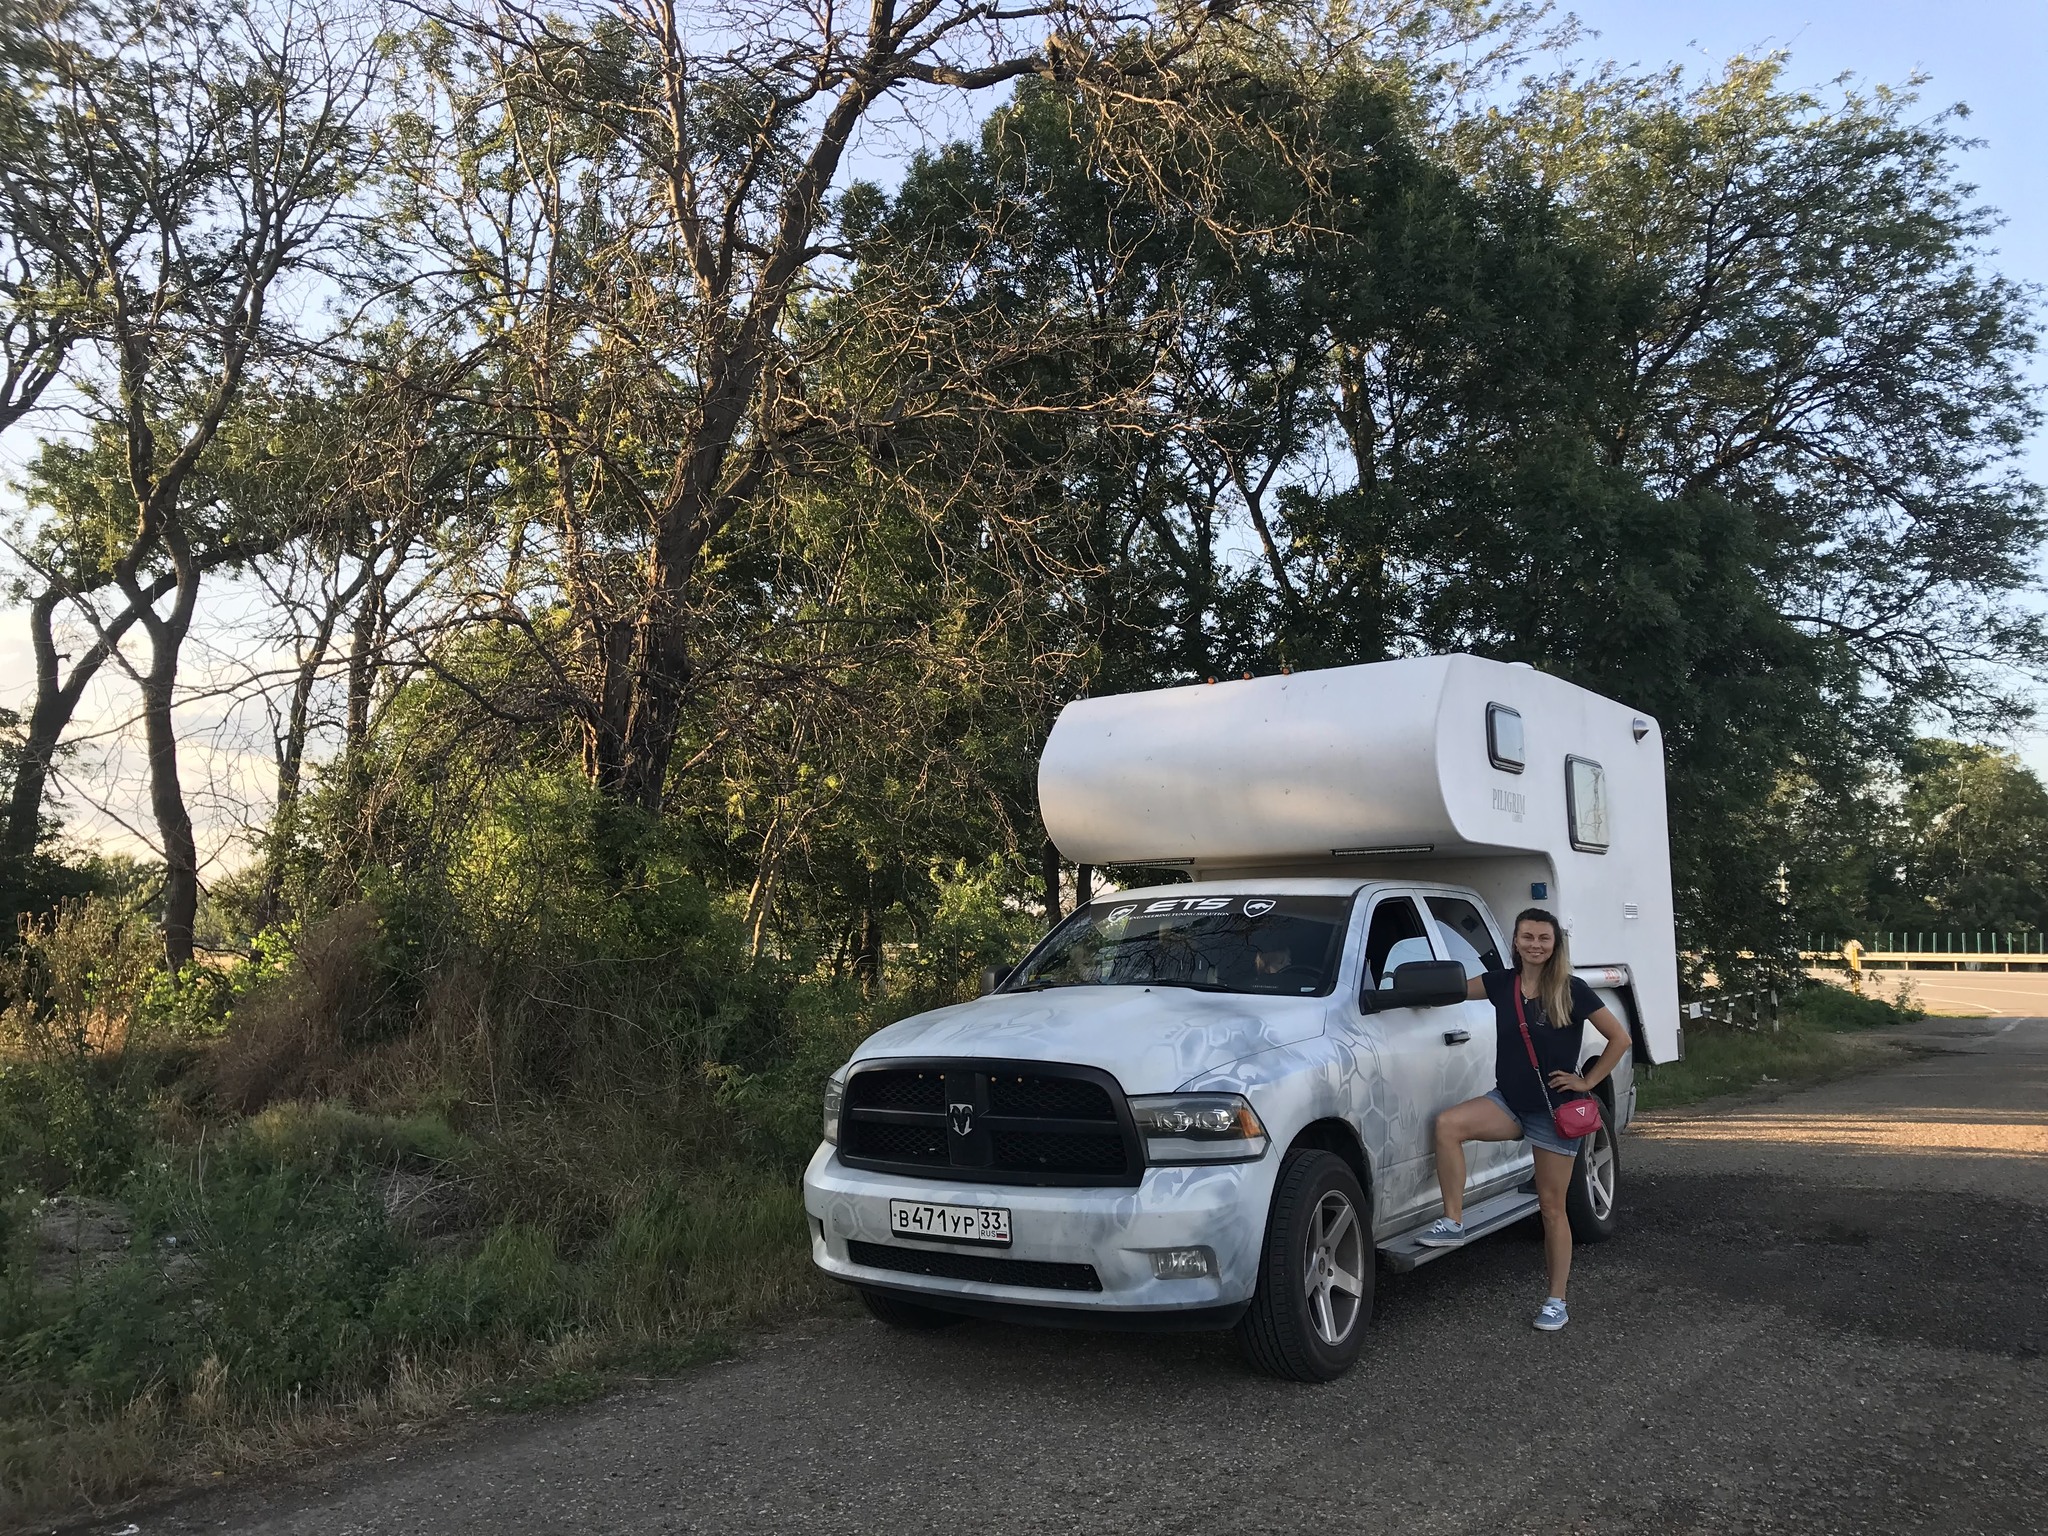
(1466, 937)
(1395, 937)
(1504, 738)
(1585, 794)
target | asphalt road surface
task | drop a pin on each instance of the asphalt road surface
(1826, 1314)
(2005, 994)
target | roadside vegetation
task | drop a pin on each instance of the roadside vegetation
(367, 1177)
(1814, 1041)
(656, 570)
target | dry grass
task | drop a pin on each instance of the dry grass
(295, 1035)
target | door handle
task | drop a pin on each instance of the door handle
(1457, 1036)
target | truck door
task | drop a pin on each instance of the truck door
(1429, 1059)
(1465, 935)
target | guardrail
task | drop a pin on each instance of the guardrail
(1931, 952)
(1739, 1010)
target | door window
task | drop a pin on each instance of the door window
(1395, 937)
(1466, 937)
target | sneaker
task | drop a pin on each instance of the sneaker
(1446, 1233)
(1552, 1316)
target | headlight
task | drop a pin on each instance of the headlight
(1199, 1128)
(835, 1092)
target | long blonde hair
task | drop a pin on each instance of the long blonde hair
(1554, 983)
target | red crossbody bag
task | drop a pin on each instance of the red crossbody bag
(1574, 1117)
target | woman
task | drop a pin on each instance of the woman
(1518, 1108)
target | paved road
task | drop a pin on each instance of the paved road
(2003, 994)
(1825, 1315)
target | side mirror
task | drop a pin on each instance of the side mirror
(993, 976)
(1419, 984)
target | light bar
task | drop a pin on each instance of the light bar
(1361, 853)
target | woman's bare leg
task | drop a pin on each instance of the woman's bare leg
(1473, 1120)
(1553, 1179)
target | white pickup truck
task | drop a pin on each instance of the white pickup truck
(1208, 1105)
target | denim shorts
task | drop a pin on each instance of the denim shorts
(1538, 1131)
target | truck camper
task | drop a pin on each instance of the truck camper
(1208, 1103)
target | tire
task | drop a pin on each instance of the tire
(1304, 1323)
(1593, 1202)
(897, 1312)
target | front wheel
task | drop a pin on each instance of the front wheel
(898, 1312)
(1592, 1201)
(1307, 1320)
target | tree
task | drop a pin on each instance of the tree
(626, 209)
(1630, 384)
(1967, 848)
(1809, 333)
(193, 159)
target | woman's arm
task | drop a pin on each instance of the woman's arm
(1617, 1045)
(1475, 990)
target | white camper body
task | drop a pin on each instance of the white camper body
(1387, 771)
(1211, 1104)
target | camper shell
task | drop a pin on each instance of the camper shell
(1446, 769)
(1234, 1139)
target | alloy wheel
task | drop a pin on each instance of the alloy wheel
(1333, 1267)
(1599, 1172)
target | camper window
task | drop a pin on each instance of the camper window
(1585, 793)
(1504, 738)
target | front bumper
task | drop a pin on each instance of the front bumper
(1220, 1207)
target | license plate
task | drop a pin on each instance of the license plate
(950, 1223)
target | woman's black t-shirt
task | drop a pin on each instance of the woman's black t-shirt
(1557, 1049)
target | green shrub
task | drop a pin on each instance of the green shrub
(1832, 1007)
(325, 1135)
(513, 1288)
(275, 1275)
(77, 1065)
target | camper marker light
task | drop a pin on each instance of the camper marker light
(835, 1095)
(1199, 1128)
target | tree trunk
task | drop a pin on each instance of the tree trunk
(291, 762)
(364, 638)
(1049, 873)
(869, 961)
(167, 799)
(761, 898)
(46, 724)
(55, 704)
(157, 518)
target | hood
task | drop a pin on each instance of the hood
(1151, 1039)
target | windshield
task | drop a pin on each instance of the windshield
(1278, 945)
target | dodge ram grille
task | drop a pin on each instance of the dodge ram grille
(1000, 1122)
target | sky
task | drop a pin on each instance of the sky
(1985, 54)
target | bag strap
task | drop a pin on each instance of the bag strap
(1529, 1045)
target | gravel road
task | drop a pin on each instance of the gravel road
(1826, 1313)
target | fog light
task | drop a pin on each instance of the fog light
(1182, 1263)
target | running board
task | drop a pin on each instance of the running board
(1482, 1220)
